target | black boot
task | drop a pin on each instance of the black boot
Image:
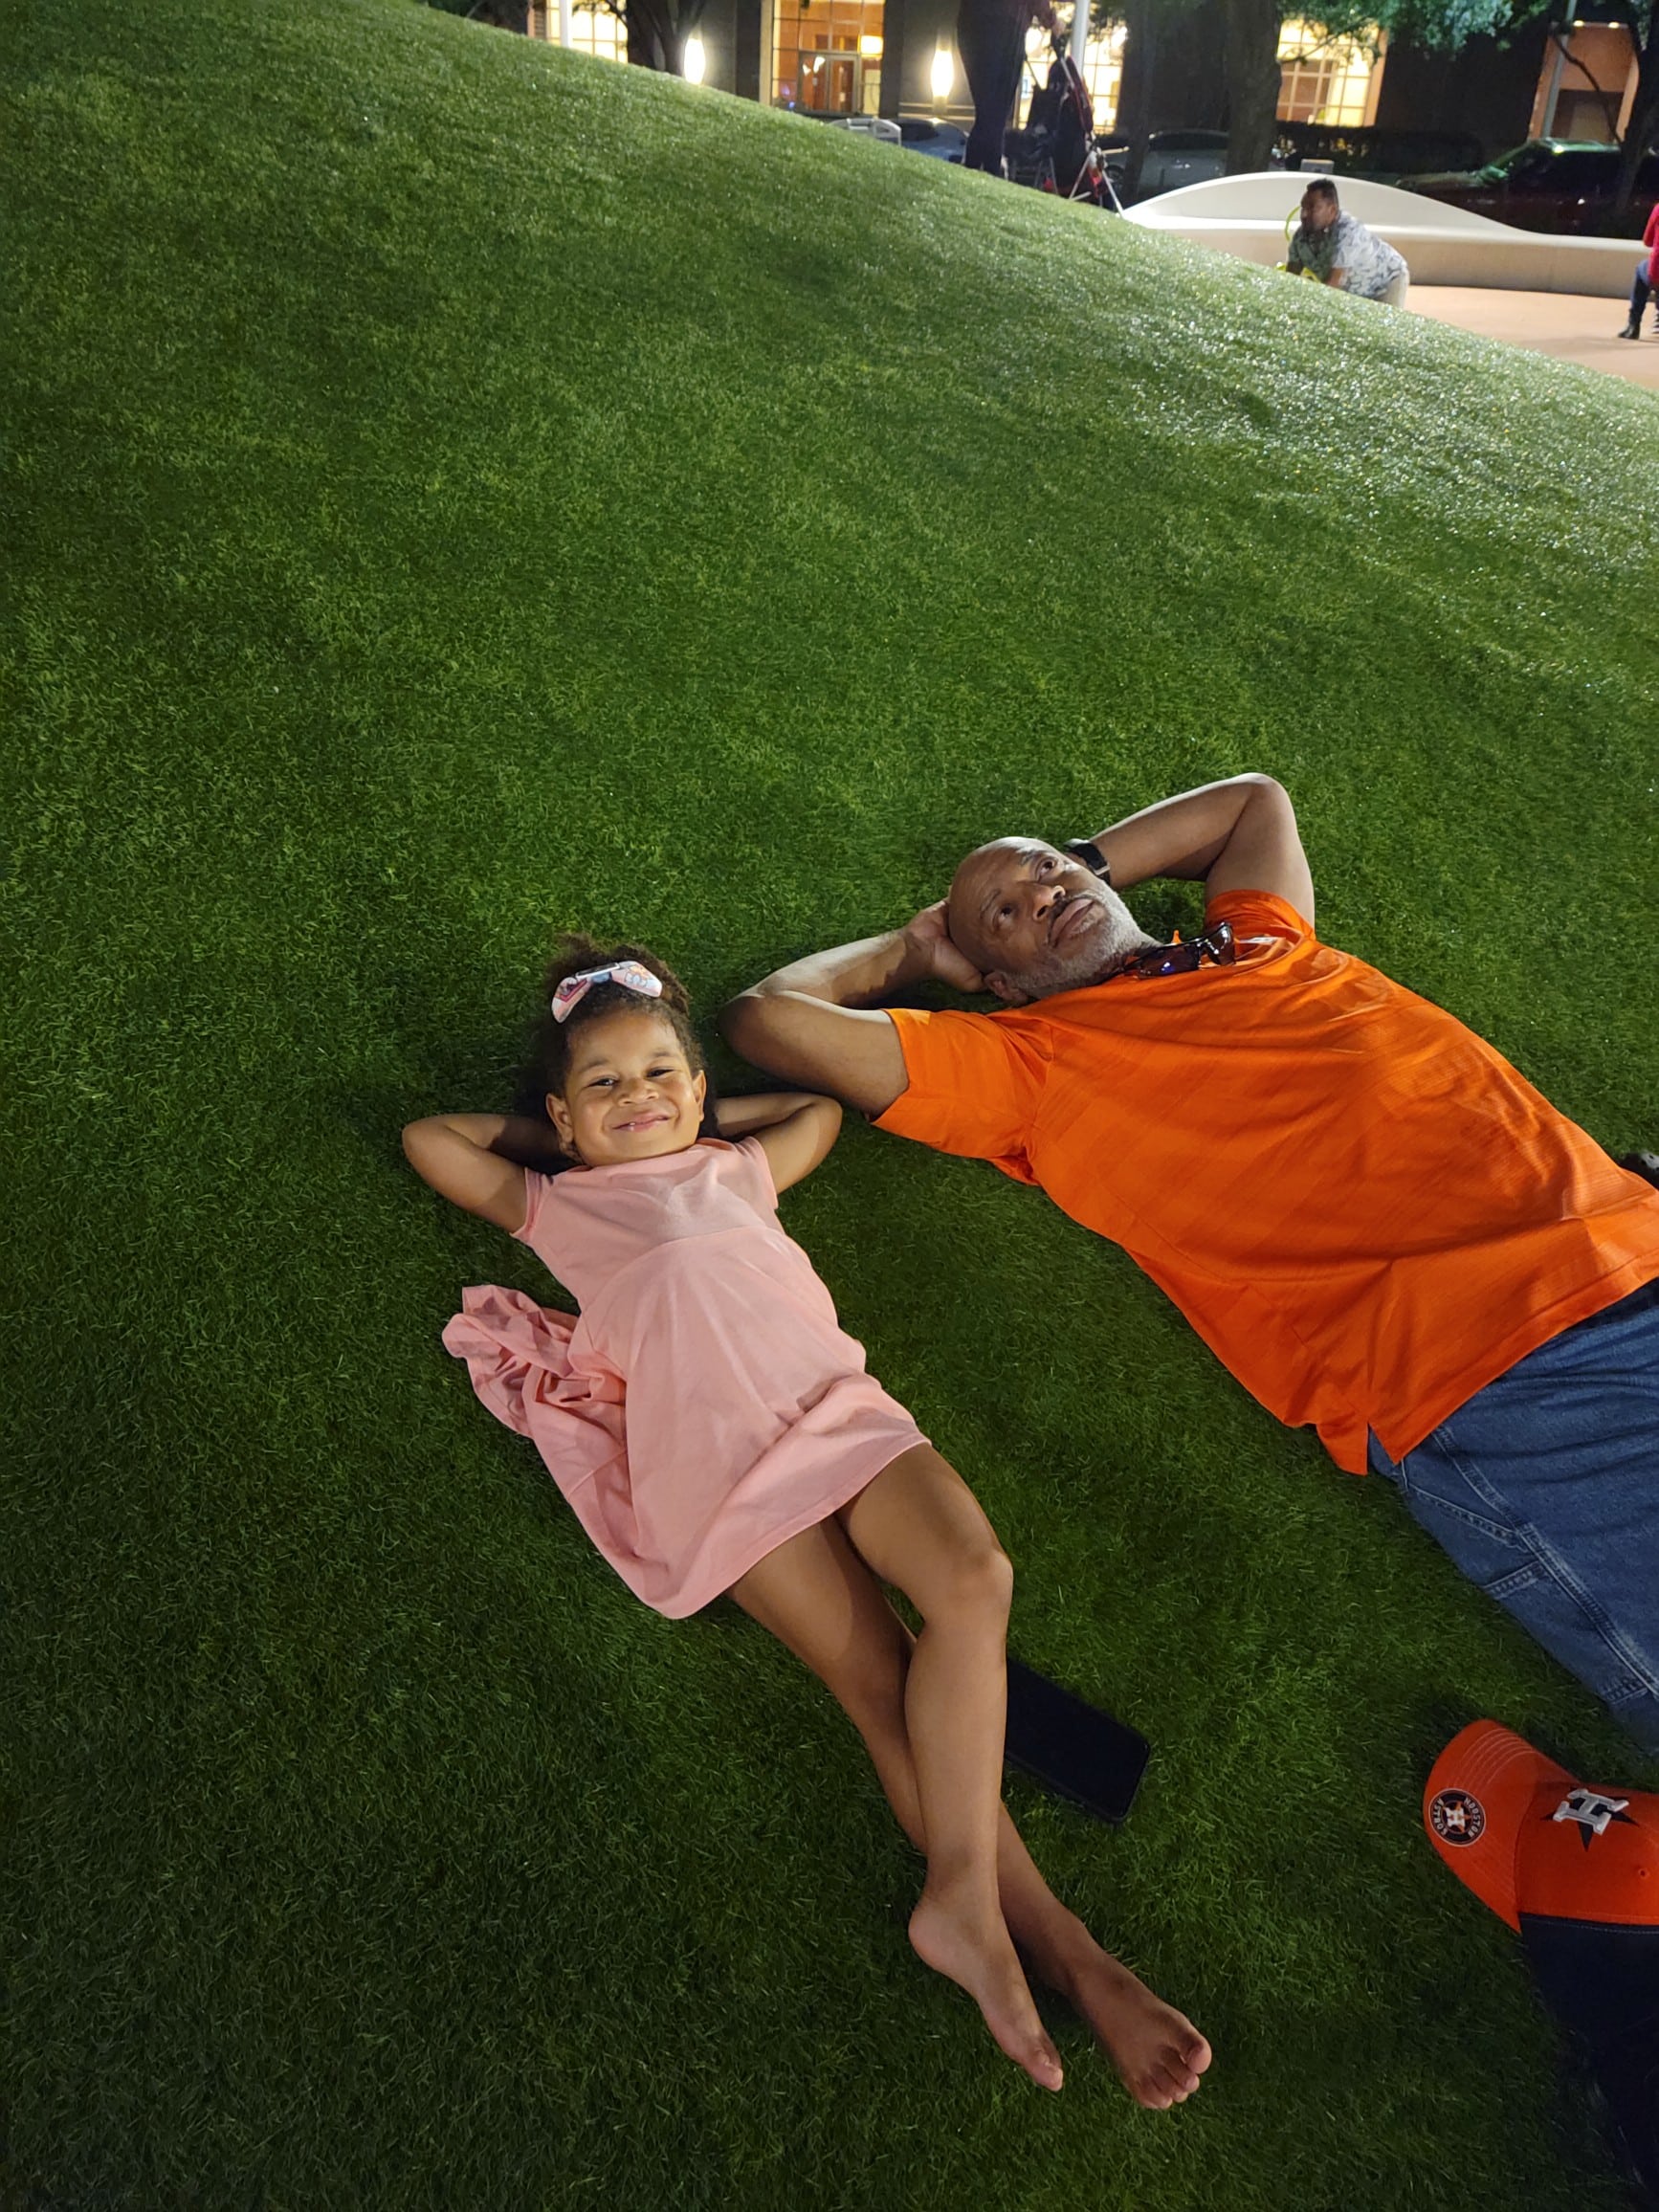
(1632, 328)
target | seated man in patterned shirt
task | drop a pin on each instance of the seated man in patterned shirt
(1341, 252)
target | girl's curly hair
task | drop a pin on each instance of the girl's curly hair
(550, 1044)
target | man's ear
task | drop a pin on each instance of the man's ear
(1003, 987)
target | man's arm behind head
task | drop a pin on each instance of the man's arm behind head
(1239, 834)
(815, 1022)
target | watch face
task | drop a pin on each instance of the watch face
(1080, 849)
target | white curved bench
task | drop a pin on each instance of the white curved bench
(1246, 217)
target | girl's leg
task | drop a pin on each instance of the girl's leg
(919, 1527)
(1157, 2050)
(819, 1599)
(817, 1596)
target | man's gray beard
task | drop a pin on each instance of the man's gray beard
(1102, 953)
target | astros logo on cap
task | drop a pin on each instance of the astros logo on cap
(1456, 1817)
(1532, 1842)
(1592, 1812)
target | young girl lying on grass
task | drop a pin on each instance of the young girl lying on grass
(715, 1431)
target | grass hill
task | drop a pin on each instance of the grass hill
(456, 491)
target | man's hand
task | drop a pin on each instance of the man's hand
(940, 957)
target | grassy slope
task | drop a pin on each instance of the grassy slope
(461, 491)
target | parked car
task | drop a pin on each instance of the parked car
(1546, 185)
(875, 126)
(1181, 157)
(1173, 158)
(1376, 152)
(923, 136)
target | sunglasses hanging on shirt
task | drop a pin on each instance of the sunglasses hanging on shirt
(1180, 957)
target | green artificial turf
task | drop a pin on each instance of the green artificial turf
(456, 491)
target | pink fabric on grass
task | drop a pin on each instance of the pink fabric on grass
(706, 1405)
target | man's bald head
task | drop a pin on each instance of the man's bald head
(1035, 921)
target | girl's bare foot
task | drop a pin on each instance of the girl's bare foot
(1157, 2050)
(984, 1962)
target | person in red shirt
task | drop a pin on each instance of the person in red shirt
(1378, 1225)
(1645, 277)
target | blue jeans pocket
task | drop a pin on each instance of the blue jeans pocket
(1483, 1548)
(1518, 1567)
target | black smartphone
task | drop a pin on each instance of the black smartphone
(1072, 1747)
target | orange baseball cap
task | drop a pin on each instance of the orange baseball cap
(1575, 1873)
(1531, 1841)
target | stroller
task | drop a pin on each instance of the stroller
(1056, 151)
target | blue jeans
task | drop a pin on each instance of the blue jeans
(1544, 1488)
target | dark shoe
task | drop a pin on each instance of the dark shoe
(1642, 1163)
(1631, 329)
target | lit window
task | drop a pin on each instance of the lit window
(593, 30)
(827, 56)
(1322, 78)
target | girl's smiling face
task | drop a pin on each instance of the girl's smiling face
(630, 1092)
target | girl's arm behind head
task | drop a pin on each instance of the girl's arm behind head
(472, 1159)
(795, 1129)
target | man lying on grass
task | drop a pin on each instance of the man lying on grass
(1376, 1223)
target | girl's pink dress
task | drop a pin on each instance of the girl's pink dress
(707, 1405)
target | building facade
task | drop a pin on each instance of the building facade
(898, 58)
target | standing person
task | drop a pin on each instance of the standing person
(991, 36)
(1646, 273)
(1378, 1225)
(1341, 252)
(714, 1429)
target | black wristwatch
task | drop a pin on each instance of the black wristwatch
(1085, 850)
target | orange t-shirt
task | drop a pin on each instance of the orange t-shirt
(1359, 1206)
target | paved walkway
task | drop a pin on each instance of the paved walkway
(1566, 324)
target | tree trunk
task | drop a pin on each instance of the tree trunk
(643, 50)
(1252, 82)
(1644, 122)
(652, 41)
(658, 30)
(1134, 117)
